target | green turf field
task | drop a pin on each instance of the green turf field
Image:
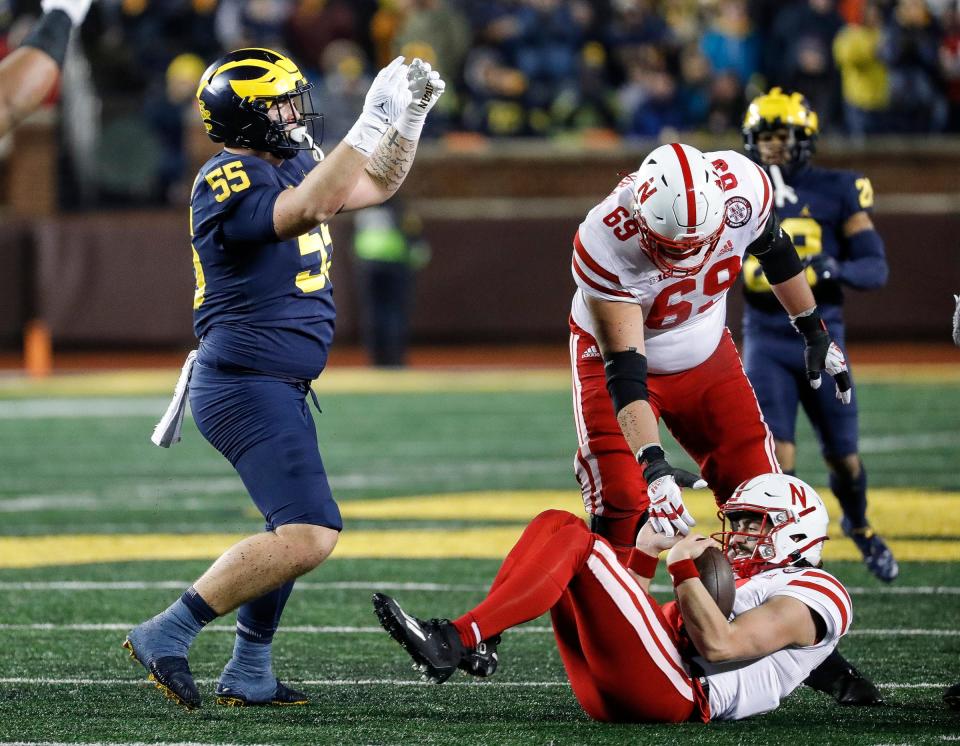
(426, 478)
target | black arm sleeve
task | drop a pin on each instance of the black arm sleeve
(775, 252)
(51, 35)
(626, 374)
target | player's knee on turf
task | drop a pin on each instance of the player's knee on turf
(309, 545)
(558, 518)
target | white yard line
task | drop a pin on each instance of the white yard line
(915, 442)
(313, 629)
(93, 407)
(376, 585)
(370, 682)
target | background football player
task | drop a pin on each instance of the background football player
(264, 314)
(28, 74)
(624, 660)
(827, 214)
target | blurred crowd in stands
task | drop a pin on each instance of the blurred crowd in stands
(543, 68)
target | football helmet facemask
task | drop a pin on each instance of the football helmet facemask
(776, 110)
(258, 99)
(793, 524)
(679, 208)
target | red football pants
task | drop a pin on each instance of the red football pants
(619, 652)
(710, 409)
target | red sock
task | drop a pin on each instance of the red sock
(534, 583)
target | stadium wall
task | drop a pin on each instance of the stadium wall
(125, 278)
(500, 225)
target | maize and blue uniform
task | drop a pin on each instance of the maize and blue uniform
(264, 315)
(772, 350)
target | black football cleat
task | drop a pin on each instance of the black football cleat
(433, 644)
(951, 697)
(837, 677)
(283, 696)
(876, 554)
(482, 660)
(171, 675)
(856, 690)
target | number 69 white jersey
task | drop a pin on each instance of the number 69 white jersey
(683, 316)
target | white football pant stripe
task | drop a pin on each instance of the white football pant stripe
(584, 462)
(640, 617)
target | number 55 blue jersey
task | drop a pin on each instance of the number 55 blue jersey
(261, 303)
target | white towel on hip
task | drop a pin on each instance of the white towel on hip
(167, 431)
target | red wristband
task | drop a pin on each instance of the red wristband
(682, 570)
(642, 563)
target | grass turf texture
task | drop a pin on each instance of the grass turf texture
(95, 472)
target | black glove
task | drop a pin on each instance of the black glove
(654, 463)
(822, 353)
(825, 266)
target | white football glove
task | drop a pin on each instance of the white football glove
(388, 96)
(836, 365)
(426, 87)
(667, 513)
(822, 353)
(76, 9)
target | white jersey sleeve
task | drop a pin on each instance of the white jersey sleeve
(740, 689)
(750, 200)
(595, 265)
(825, 595)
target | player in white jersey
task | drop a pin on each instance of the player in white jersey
(653, 262)
(777, 525)
(629, 659)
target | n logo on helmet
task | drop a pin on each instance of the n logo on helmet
(798, 495)
(645, 191)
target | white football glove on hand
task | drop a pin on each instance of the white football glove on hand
(76, 9)
(667, 514)
(426, 87)
(387, 98)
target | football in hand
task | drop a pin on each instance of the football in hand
(717, 577)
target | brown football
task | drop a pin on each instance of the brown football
(717, 576)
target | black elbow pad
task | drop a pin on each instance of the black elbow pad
(626, 374)
(775, 252)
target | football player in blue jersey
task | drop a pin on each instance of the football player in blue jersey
(827, 214)
(28, 74)
(264, 315)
